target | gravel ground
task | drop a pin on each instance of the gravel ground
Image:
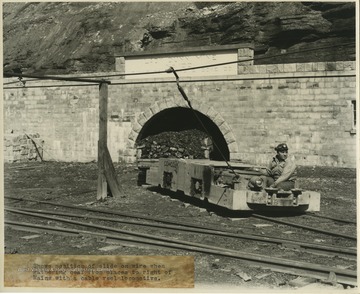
(75, 184)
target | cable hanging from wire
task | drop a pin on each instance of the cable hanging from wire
(181, 90)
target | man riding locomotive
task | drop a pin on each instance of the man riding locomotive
(280, 172)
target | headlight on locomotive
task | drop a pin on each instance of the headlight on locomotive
(259, 183)
(256, 183)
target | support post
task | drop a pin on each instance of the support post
(103, 103)
(106, 171)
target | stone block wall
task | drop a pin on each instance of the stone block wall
(309, 106)
(22, 148)
(65, 117)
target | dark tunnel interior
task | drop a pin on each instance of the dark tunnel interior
(181, 119)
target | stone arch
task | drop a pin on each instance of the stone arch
(208, 111)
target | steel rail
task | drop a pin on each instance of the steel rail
(304, 227)
(311, 214)
(347, 277)
(42, 228)
(315, 248)
(133, 215)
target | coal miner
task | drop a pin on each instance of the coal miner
(280, 173)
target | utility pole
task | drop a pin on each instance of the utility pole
(106, 171)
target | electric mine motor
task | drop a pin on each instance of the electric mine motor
(214, 182)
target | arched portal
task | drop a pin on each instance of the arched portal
(182, 118)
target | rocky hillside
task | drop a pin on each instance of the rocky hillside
(57, 38)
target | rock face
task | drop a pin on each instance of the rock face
(58, 37)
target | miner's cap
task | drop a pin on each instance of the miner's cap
(281, 147)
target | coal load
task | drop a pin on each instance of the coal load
(182, 144)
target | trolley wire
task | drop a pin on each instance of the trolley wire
(195, 67)
(56, 78)
(264, 57)
(237, 61)
(20, 81)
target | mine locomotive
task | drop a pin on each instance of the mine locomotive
(214, 182)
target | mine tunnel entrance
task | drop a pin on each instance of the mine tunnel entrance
(183, 120)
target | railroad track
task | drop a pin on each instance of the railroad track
(292, 224)
(191, 225)
(340, 220)
(304, 246)
(347, 277)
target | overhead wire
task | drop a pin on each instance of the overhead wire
(264, 57)
(20, 76)
(20, 81)
(209, 65)
(232, 62)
